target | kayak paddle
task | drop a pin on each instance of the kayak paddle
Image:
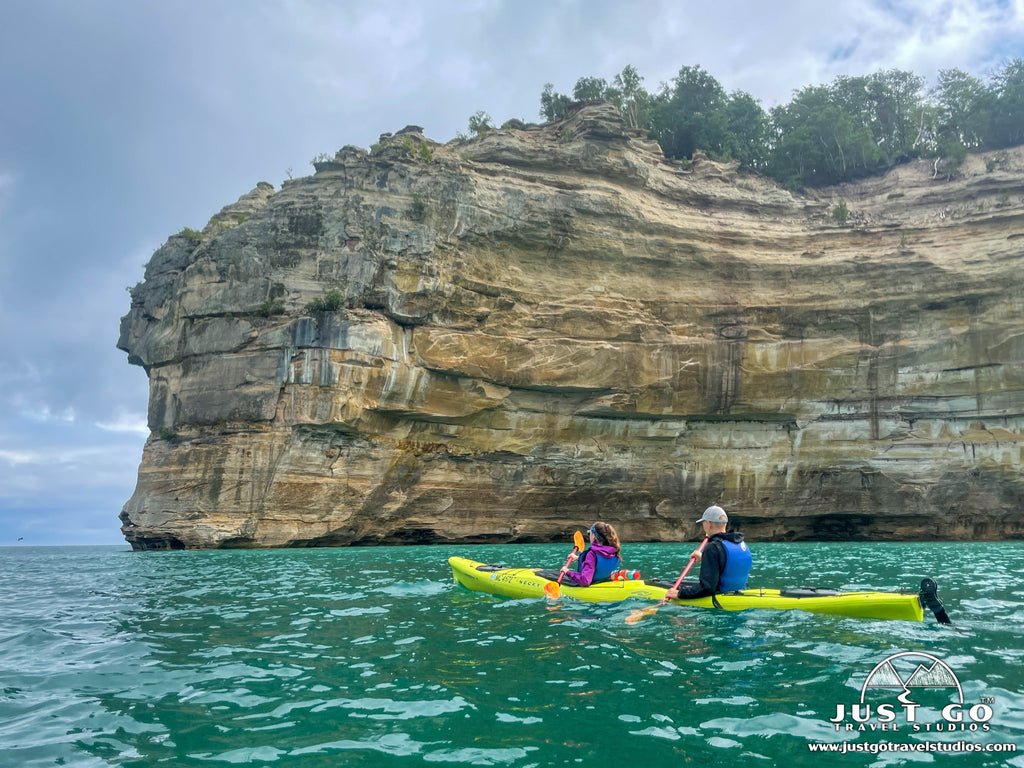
(553, 588)
(638, 614)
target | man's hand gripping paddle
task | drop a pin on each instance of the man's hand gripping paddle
(553, 588)
(640, 613)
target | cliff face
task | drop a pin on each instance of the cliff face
(549, 326)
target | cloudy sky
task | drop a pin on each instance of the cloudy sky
(125, 120)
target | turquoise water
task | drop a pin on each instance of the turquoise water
(373, 656)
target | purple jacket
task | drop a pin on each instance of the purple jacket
(595, 563)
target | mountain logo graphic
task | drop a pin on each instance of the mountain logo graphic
(919, 670)
(941, 708)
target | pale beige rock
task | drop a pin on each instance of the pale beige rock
(552, 325)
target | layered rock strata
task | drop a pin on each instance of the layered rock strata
(553, 325)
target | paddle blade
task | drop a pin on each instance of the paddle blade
(552, 588)
(641, 613)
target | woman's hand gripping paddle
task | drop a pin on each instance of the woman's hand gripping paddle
(638, 614)
(553, 588)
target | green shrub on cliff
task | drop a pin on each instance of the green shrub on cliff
(270, 307)
(841, 213)
(194, 236)
(418, 210)
(331, 301)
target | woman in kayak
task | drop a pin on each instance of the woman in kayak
(600, 559)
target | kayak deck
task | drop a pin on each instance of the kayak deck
(528, 582)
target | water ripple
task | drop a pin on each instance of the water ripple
(314, 658)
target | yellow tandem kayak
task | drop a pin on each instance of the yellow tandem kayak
(529, 582)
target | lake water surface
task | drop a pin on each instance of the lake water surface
(372, 656)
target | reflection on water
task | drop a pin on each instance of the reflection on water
(372, 656)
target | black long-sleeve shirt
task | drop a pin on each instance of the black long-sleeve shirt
(712, 564)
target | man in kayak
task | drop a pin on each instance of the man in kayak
(598, 561)
(724, 563)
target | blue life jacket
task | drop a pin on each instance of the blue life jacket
(604, 567)
(737, 566)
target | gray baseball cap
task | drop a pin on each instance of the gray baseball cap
(714, 514)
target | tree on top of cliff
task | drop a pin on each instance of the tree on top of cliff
(819, 142)
(626, 92)
(1008, 111)
(849, 128)
(691, 115)
(480, 123)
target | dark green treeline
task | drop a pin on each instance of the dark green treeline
(827, 134)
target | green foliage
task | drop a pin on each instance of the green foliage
(625, 92)
(691, 114)
(847, 129)
(630, 97)
(552, 104)
(241, 218)
(964, 109)
(413, 147)
(194, 236)
(418, 209)
(841, 213)
(897, 106)
(331, 301)
(821, 142)
(589, 88)
(1007, 129)
(954, 153)
(746, 130)
(480, 123)
(270, 307)
(166, 433)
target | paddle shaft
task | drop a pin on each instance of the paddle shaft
(565, 567)
(553, 588)
(634, 617)
(686, 570)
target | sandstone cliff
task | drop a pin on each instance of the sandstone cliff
(553, 325)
